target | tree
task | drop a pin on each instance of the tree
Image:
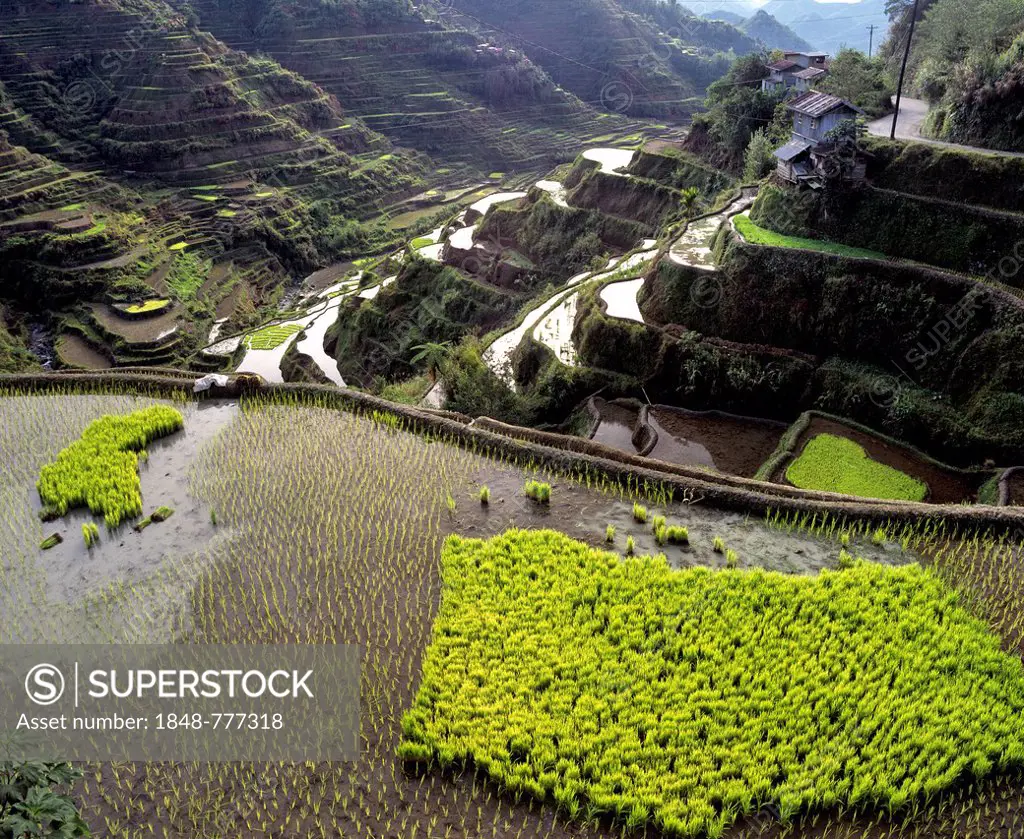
(758, 159)
(861, 80)
(737, 107)
(433, 356)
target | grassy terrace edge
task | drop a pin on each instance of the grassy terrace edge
(557, 452)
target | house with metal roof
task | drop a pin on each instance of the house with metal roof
(785, 74)
(807, 156)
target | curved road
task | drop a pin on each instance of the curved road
(908, 127)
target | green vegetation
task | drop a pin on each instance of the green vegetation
(971, 75)
(736, 107)
(34, 802)
(861, 80)
(163, 513)
(609, 533)
(147, 306)
(91, 534)
(538, 491)
(685, 700)
(187, 275)
(271, 337)
(421, 242)
(835, 464)
(718, 545)
(51, 541)
(485, 495)
(757, 235)
(639, 513)
(100, 469)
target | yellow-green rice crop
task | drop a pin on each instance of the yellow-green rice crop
(271, 337)
(100, 470)
(687, 699)
(839, 465)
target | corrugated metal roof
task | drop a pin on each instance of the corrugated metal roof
(782, 65)
(792, 149)
(815, 104)
(810, 73)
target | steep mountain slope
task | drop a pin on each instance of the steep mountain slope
(638, 57)
(727, 16)
(764, 28)
(145, 159)
(434, 89)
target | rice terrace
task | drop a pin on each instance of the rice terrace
(550, 419)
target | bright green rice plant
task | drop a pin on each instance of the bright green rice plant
(538, 491)
(91, 534)
(100, 470)
(678, 535)
(639, 513)
(732, 559)
(609, 533)
(51, 541)
(718, 545)
(630, 546)
(485, 496)
(695, 661)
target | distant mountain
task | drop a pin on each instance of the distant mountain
(722, 14)
(773, 34)
(831, 26)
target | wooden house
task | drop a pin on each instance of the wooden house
(807, 157)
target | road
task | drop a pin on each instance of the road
(908, 127)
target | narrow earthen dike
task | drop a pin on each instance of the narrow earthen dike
(559, 452)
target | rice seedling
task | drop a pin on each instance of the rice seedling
(732, 559)
(639, 513)
(609, 533)
(845, 559)
(91, 534)
(538, 491)
(158, 515)
(672, 635)
(844, 539)
(660, 531)
(271, 337)
(718, 545)
(836, 464)
(335, 530)
(485, 496)
(879, 537)
(100, 469)
(678, 535)
(630, 546)
(51, 541)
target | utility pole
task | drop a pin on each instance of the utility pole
(871, 38)
(903, 70)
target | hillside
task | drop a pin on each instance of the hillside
(639, 57)
(765, 29)
(146, 158)
(971, 76)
